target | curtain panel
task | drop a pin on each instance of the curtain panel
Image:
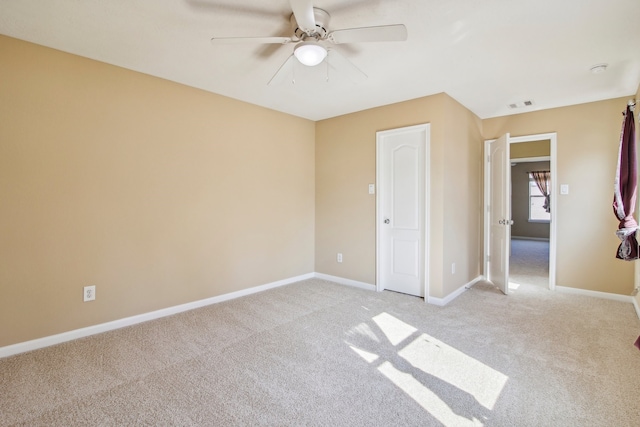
(626, 182)
(542, 179)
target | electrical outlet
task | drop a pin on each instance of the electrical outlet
(339, 257)
(89, 293)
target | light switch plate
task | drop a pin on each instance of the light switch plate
(564, 189)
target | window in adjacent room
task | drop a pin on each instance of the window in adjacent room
(538, 211)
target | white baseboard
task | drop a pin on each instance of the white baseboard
(343, 281)
(539, 239)
(636, 306)
(370, 287)
(596, 294)
(22, 347)
(455, 294)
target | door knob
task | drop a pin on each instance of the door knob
(387, 221)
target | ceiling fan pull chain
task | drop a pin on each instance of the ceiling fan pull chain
(327, 63)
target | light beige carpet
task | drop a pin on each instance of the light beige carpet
(316, 353)
(529, 262)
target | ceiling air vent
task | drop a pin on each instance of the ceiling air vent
(521, 104)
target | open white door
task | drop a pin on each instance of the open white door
(401, 209)
(499, 212)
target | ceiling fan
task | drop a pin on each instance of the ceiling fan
(312, 40)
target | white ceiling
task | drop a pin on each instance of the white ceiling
(486, 54)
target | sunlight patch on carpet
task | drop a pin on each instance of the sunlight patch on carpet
(437, 359)
(394, 329)
(425, 397)
(364, 330)
(369, 357)
(456, 368)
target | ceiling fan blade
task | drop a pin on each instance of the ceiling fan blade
(252, 40)
(383, 33)
(303, 11)
(343, 66)
(282, 72)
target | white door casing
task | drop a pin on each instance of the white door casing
(402, 210)
(499, 212)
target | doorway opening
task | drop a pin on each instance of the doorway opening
(531, 258)
(531, 213)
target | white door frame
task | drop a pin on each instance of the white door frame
(553, 225)
(426, 127)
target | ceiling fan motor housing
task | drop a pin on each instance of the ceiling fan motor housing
(322, 18)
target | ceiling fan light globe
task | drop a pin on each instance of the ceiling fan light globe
(310, 53)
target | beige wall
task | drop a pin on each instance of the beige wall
(523, 150)
(157, 193)
(586, 160)
(461, 200)
(345, 212)
(160, 194)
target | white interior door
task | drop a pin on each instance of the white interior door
(401, 209)
(499, 212)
